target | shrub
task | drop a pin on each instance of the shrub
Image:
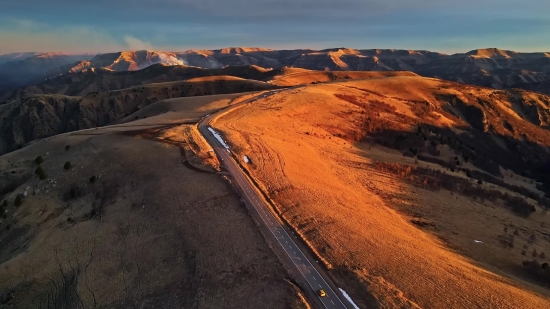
(538, 271)
(73, 192)
(39, 160)
(67, 147)
(40, 172)
(92, 179)
(67, 165)
(18, 200)
(5, 203)
(436, 180)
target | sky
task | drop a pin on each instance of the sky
(94, 26)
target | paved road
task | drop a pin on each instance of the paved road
(303, 265)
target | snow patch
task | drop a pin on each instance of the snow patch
(348, 298)
(246, 160)
(219, 138)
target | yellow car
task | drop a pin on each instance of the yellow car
(322, 293)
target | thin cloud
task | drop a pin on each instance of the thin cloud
(27, 35)
(134, 43)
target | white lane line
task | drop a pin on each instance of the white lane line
(314, 278)
(332, 302)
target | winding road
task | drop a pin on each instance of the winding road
(304, 267)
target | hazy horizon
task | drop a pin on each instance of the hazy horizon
(78, 26)
(219, 48)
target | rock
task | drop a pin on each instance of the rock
(25, 194)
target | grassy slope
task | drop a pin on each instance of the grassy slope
(149, 232)
(359, 219)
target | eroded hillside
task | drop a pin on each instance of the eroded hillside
(39, 116)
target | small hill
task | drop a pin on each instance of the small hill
(293, 77)
(491, 53)
(98, 80)
(241, 50)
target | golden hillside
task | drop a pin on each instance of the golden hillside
(389, 182)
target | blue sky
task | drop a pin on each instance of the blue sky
(77, 26)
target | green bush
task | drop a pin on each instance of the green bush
(67, 165)
(92, 179)
(5, 203)
(67, 147)
(18, 200)
(39, 160)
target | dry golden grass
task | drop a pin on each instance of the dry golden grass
(359, 219)
(214, 78)
(292, 77)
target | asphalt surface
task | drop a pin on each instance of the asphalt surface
(305, 267)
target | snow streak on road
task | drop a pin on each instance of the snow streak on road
(219, 138)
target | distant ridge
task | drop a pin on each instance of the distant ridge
(490, 67)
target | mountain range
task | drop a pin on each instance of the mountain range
(490, 67)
